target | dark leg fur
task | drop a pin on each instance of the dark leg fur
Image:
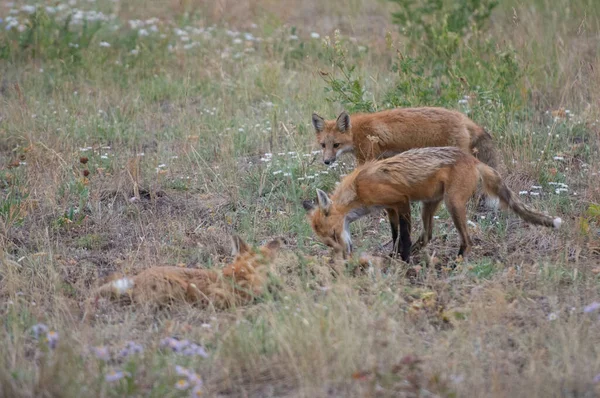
(405, 241)
(394, 225)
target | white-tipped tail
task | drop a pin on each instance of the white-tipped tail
(123, 285)
(557, 221)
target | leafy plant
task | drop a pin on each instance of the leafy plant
(437, 25)
(344, 84)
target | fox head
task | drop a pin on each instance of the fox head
(334, 136)
(250, 266)
(329, 224)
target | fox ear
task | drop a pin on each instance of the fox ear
(343, 122)
(318, 122)
(308, 205)
(324, 201)
(238, 246)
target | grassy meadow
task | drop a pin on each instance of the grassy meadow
(140, 133)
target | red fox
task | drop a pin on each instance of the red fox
(369, 135)
(381, 134)
(238, 283)
(429, 175)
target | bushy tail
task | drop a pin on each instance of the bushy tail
(494, 185)
(114, 287)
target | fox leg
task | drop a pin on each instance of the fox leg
(456, 197)
(458, 209)
(427, 212)
(400, 222)
(394, 220)
(405, 222)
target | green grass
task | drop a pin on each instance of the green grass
(176, 134)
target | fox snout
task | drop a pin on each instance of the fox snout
(329, 159)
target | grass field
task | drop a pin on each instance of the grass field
(141, 133)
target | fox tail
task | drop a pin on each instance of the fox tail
(494, 186)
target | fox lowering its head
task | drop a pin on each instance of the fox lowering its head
(237, 283)
(428, 175)
(330, 219)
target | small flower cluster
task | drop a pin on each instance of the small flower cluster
(191, 379)
(560, 187)
(536, 189)
(102, 353)
(60, 11)
(184, 347)
(115, 375)
(41, 332)
(465, 100)
(161, 168)
(130, 348)
(270, 159)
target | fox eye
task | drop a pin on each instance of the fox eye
(336, 145)
(323, 146)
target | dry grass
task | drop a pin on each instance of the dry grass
(508, 322)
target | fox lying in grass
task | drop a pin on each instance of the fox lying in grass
(377, 135)
(238, 283)
(429, 175)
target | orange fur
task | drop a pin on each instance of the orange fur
(370, 135)
(238, 283)
(383, 134)
(429, 175)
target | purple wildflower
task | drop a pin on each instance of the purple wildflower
(182, 384)
(39, 329)
(195, 379)
(196, 391)
(102, 353)
(195, 350)
(591, 307)
(181, 371)
(131, 348)
(52, 339)
(115, 375)
(174, 344)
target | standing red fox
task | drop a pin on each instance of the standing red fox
(429, 175)
(238, 283)
(371, 135)
(378, 135)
